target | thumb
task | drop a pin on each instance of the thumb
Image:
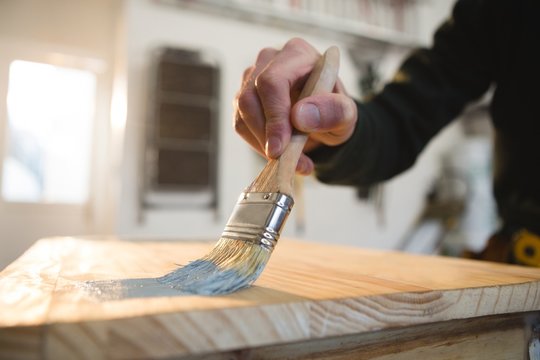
(328, 118)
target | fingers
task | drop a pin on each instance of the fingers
(330, 119)
(305, 165)
(264, 110)
(281, 78)
(249, 119)
(263, 103)
(242, 129)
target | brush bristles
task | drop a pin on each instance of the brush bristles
(230, 266)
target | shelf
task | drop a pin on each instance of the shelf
(308, 22)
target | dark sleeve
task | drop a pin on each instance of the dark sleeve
(430, 89)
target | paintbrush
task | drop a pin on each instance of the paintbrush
(256, 222)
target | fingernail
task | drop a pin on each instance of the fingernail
(309, 116)
(301, 166)
(273, 146)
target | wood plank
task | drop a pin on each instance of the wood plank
(491, 338)
(308, 291)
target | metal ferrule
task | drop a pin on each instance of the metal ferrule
(258, 218)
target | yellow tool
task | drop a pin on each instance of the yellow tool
(527, 248)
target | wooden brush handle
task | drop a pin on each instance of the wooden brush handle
(321, 80)
(278, 175)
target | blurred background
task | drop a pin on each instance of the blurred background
(116, 121)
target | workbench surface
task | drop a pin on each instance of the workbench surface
(81, 298)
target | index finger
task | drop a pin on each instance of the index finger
(277, 86)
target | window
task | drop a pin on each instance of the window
(181, 150)
(50, 112)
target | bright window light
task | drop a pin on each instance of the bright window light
(50, 124)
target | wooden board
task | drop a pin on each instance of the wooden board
(501, 337)
(307, 292)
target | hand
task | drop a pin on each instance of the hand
(266, 112)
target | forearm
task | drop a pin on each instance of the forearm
(430, 89)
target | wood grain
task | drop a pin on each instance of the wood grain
(489, 338)
(307, 292)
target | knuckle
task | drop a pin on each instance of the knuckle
(349, 110)
(246, 102)
(340, 111)
(239, 125)
(247, 73)
(299, 44)
(339, 119)
(296, 43)
(267, 82)
(265, 55)
(275, 126)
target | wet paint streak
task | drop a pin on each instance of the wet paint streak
(120, 289)
(200, 277)
(232, 265)
(203, 277)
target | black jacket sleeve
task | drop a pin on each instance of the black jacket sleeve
(429, 90)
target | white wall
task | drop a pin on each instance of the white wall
(93, 29)
(431, 14)
(235, 45)
(121, 34)
(77, 24)
(63, 32)
(333, 214)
